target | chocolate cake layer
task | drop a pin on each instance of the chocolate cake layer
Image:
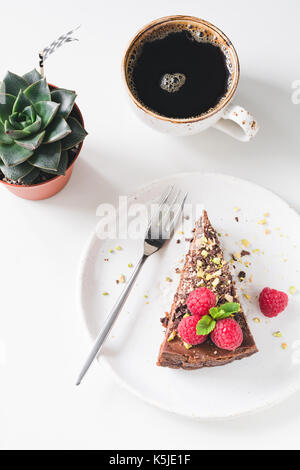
(205, 266)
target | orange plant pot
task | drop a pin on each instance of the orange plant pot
(38, 192)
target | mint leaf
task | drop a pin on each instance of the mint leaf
(221, 315)
(231, 307)
(214, 311)
(224, 311)
(205, 325)
(218, 313)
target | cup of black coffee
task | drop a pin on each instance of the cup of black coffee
(181, 73)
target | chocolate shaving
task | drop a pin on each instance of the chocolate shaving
(245, 253)
(164, 322)
(180, 311)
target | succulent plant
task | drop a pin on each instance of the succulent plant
(37, 128)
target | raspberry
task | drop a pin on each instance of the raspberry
(272, 302)
(227, 334)
(200, 301)
(187, 331)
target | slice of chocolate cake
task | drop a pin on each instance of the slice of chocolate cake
(204, 267)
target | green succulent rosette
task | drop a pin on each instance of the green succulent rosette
(37, 128)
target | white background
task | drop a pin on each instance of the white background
(42, 338)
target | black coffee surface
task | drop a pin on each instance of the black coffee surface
(204, 68)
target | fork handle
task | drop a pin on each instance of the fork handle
(110, 321)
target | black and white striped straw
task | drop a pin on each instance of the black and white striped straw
(44, 54)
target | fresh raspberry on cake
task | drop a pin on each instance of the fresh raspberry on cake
(200, 301)
(272, 302)
(227, 334)
(187, 331)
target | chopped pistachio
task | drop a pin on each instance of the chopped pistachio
(130, 265)
(146, 303)
(236, 209)
(216, 282)
(228, 297)
(247, 296)
(168, 279)
(284, 345)
(256, 250)
(204, 253)
(118, 248)
(262, 222)
(172, 335)
(217, 273)
(256, 320)
(277, 334)
(186, 315)
(145, 296)
(200, 273)
(217, 260)
(266, 214)
(292, 290)
(187, 346)
(111, 251)
(208, 277)
(245, 243)
(105, 293)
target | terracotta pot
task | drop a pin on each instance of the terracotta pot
(37, 192)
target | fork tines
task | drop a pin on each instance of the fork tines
(165, 215)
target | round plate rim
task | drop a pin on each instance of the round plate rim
(102, 360)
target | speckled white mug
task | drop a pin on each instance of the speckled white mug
(227, 117)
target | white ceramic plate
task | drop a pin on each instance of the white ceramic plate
(130, 353)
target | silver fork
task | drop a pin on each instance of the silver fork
(161, 227)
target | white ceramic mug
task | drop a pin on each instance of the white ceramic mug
(227, 117)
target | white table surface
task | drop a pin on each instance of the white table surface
(42, 339)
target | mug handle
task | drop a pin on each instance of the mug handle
(238, 123)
